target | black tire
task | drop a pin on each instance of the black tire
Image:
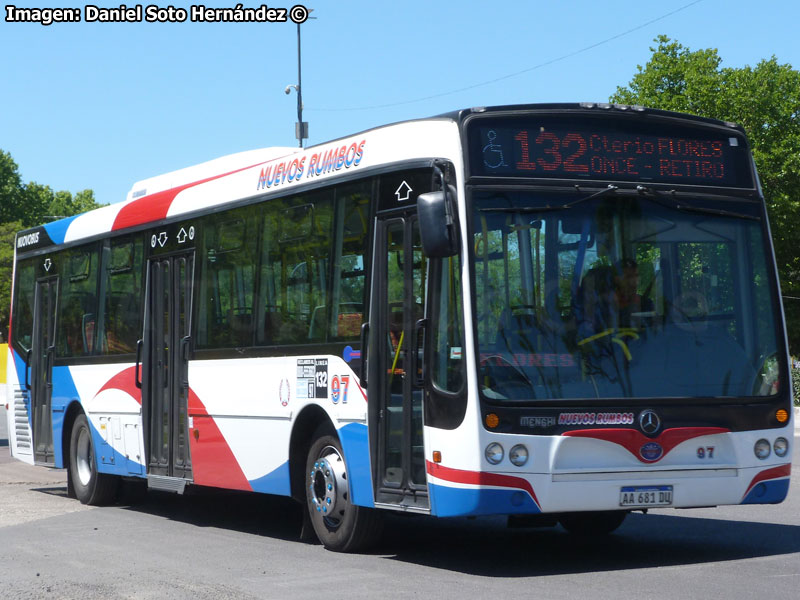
(91, 487)
(338, 523)
(590, 524)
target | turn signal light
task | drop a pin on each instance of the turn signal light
(437, 456)
(492, 420)
(782, 415)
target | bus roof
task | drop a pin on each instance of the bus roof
(217, 166)
(234, 177)
(252, 173)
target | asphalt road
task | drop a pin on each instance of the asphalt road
(246, 546)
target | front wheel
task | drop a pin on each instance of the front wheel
(340, 525)
(90, 486)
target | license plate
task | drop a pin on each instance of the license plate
(651, 495)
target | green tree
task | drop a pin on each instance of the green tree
(26, 205)
(765, 100)
(38, 199)
(64, 204)
(7, 233)
(11, 189)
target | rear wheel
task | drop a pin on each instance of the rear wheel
(592, 523)
(340, 525)
(90, 486)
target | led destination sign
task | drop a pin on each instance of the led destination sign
(608, 150)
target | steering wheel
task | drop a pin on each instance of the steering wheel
(521, 379)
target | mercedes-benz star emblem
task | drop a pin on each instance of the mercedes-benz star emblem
(649, 421)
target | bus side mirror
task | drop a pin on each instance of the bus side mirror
(437, 223)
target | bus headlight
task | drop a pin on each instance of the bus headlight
(494, 453)
(762, 449)
(781, 447)
(518, 455)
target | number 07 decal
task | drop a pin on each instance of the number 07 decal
(339, 385)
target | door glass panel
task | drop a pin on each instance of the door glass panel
(404, 274)
(183, 274)
(164, 341)
(170, 305)
(24, 294)
(419, 272)
(42, 365)
(394, 356)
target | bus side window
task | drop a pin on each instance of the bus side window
(312, 266)
(347, 282)
(294, 269)
(270, 292)
(227, 282)
(77, 308)
(123, 289)
(447, 326)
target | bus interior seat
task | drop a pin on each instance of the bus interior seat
(316, 326)
(241, 321)
(273, 321)
(349, 319)
(122, 314)
(77, 315)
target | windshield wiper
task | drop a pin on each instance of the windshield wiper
(669, 200)
(537, 209)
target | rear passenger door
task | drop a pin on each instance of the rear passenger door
(165, 382)
(41, 366)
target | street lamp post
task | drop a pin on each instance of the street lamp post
(301, 127)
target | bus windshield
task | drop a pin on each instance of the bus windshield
(621, 295)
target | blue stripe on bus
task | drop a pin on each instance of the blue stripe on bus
(64, 393)
(57, 230)
(768, 492)
(355, 444)
(276, 482)
(449, 501)
(109, 460)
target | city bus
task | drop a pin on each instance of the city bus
(559, 313)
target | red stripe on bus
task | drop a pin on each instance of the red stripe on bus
(155, 206)
(213, 461)
(124, 381)
(773, 473)
(633, 440)
(481, 478)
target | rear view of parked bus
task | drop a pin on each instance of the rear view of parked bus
(560, 313)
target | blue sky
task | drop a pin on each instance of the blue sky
(100, 105)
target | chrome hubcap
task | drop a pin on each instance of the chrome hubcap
(328, 486)
(84, 457)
